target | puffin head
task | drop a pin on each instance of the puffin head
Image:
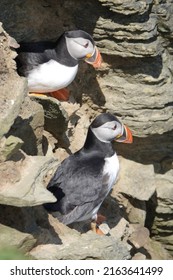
(81, 45)
(106, 127)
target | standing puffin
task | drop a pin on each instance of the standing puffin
(84, 179)
(51, 66)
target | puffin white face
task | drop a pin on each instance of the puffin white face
(108, 131)
(80, 47)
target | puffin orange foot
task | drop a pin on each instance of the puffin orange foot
(61, 94)
(38, 95)
(95, 228)
(102, 229)
(99, 231)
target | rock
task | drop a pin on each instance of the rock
(144, 247)
(139, 256)
(125, 37)
(40, 29)
(65, 233)
(56, 119)
(164, 11)
(9, 173)
(133, 209)
(165, 193)
(91, 246)
(138, 109)
(104, 229)
(28, 189)
(126, 7)
(29, 126)
(16, 110)
(80, 132)
(120, 231)
(12, 87)
(9, 146)
(139, 237)
(142, 186)
(156, 251)
(23, 241)
(10, 107)
(163, 223)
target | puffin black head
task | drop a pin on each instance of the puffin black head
(79, 34)
(106, 127)
(81, 45)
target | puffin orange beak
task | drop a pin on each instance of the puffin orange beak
(94, 59)
(126, 137)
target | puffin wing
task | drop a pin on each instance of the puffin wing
(31, 55)
(81, 180)
(78, 188)
(78, 198)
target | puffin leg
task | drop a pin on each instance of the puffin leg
(96, 223)
(100, 219)
(95, 228)
(61, 94)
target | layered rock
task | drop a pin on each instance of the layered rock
(22, 182)
(163, 224)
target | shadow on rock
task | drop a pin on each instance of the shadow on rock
(30, 220)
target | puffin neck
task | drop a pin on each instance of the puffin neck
(63, 55)
(92, 144)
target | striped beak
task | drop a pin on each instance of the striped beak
(94, 59)
(126, 136)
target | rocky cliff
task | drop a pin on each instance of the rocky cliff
(135, 83)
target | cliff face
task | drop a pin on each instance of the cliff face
(135, 83)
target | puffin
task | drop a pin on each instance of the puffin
(51, 66)
(84, 179)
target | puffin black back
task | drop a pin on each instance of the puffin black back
(35, 47)
(31, 54)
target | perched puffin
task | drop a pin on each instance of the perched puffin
(84, 179)
(51, 66)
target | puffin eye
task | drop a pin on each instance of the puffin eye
(86, 45)
(114, 127)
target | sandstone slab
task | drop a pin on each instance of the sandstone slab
(91, 247)
(28, 189)
(135, 180)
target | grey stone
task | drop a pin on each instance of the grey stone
(9, 146)
(135, 180)
(12, 87)
(56, 118)
(29, 190)
(157, 251)
(91, 246)
(29, 126)
(163, 222)
(139, 237)
(127, 7)
(12, 237)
